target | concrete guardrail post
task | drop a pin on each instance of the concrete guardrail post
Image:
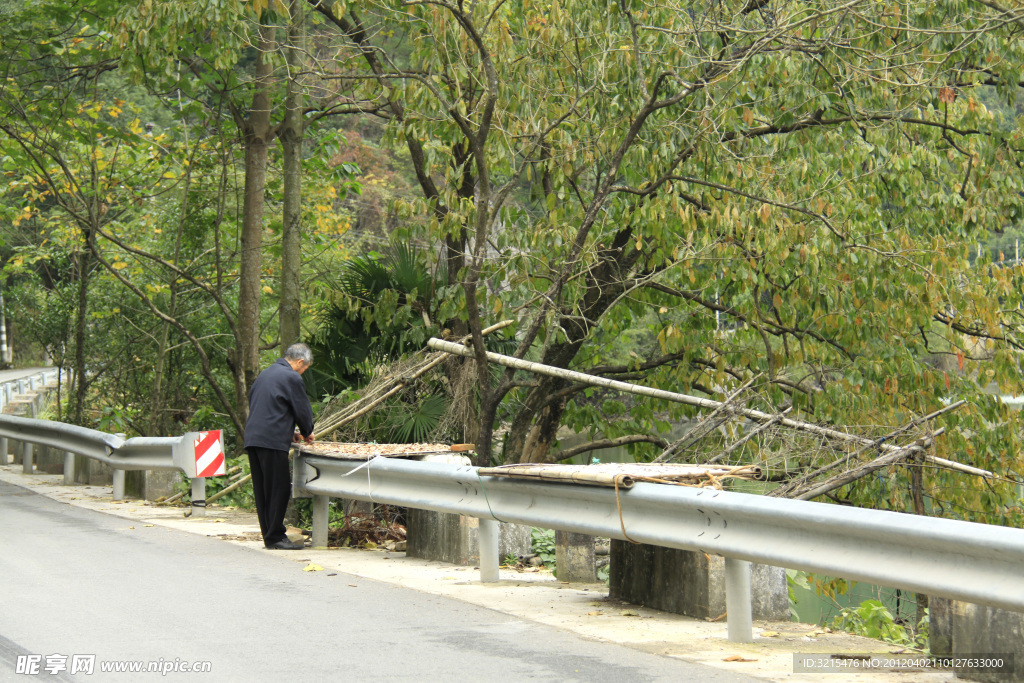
(69, 468)
(198, 496)
(26, 457)
(118, 477)
(3, 450)
(737, 601)
(489, 560)
(321, 520)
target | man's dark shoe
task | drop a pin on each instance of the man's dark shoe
(285, 545)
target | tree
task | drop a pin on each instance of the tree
(774, 189)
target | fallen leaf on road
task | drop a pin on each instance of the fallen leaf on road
(768, 634)
(312, 568)
(149, 525)
(737, 658)
(629, 613)
(594, 614)
(131, 527)
(351, 585)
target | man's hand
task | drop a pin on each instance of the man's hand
(296, 437)
(308, 439)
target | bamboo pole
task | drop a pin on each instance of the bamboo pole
(747, 437)
(169, 500)
(876, 464)
(593, 380)
(796, 484)
(701, 430)
(339, 421)
(228, 489)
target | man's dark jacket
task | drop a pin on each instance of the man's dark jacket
(277, 403)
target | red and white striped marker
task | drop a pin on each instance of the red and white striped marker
(210, 455)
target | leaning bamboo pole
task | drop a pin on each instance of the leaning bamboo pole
(368, 403)
(755, 415)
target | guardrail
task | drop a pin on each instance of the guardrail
(22, 385)
(138, 453)
(961, 560)
(976, 563)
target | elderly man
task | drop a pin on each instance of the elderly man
(277, 404)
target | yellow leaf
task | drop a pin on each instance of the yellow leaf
(267, 290)
(118, 265)
(498, 306)
(312, 568)
(170, 174)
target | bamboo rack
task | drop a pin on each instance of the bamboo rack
(624, 475)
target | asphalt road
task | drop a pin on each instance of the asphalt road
(78, 582)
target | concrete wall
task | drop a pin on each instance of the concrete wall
(150, 485)
(963, 629)
(455, 539)
(690, 583)
(92, 472)
(574, 557)
(49, 460)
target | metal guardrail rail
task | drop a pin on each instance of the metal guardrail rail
(22, 385)
(961, 560)
(138, 453)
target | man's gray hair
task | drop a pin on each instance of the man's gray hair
(299, 352)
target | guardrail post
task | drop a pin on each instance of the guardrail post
(737, 601)
(26, 457)
(489, 559)
(321, 505)
(3, 450)
(32, 383)
(118, 477)
(198, 496)
(69, 468)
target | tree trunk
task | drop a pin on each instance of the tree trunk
(81, 320)
(257, 134)
(289, 315)
(543, 434)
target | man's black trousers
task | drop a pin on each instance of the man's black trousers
(271, 487)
